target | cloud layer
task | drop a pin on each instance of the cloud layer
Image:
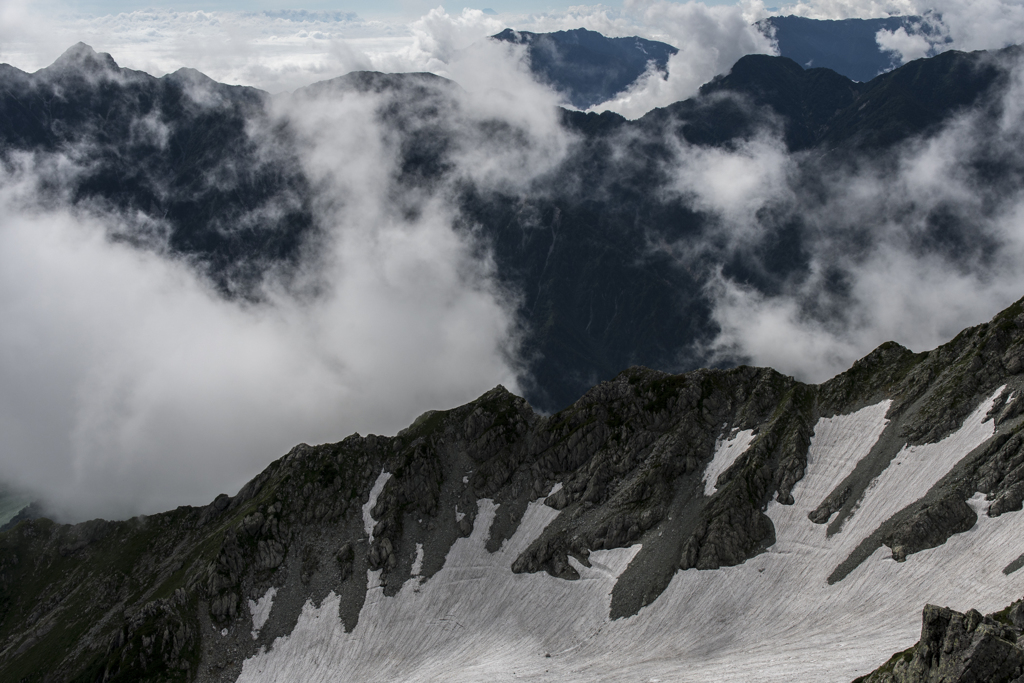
(131, 385)
(912, 244)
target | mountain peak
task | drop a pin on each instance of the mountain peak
(82, 56)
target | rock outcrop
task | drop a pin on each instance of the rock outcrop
(960, 648)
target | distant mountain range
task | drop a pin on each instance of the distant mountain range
(847, 46)
(587, 67)
(574, 243)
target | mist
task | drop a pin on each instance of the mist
(132, 384)
(910, 245)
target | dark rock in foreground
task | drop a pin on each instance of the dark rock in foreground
(960, 648)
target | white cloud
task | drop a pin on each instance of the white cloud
(710, 40)
(904, 46)
(884, 263)
(954, 24)
(131, 386)
(733, 184)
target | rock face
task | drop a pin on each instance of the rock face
(960, 648)
(626, 469)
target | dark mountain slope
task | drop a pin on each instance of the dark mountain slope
(150, 598)
(918, 96)
(602, 219)
(175, 149)
(821, 107)
(847, 46)
(587, 67)
(591, 248)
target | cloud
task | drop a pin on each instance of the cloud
(905, 46)
(949, 24)
(710, 40)
(733, 184)
(910, 246)
(131, 385)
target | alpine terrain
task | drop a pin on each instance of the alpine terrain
(719, 524)
(635, 516)
(597, 226)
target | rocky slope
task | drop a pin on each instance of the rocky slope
(960, 647)
(707, 521)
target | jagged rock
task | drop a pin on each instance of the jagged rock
(631, 457)
(956, 648)
(930, 526)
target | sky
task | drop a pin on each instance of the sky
(281, 49)
(128, 384)
(380, 9)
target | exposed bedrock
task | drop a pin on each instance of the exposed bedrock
(687, 466)
(960, 648)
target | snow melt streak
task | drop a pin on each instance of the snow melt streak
(260, 611)
(774, 618)
(726, 453)
(375, 492)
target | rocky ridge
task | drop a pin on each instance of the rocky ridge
(960, 647)
(148, 597)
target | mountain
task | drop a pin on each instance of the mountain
(734, 524)
(587, 67)
(847, 46)
(575, 243)
(818, 108)
(152, 146)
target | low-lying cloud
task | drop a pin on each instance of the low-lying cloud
(910, 245)
(132, 385)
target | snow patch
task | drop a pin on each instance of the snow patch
(555, 489)
(260, 611)
(375, 491)
(774, 618)
(915, 469)
(726, 453)
(417, 564)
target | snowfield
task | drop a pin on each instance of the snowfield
(774, 618)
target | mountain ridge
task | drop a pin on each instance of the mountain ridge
(154, 144)
(587, 67)
(626, 461)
